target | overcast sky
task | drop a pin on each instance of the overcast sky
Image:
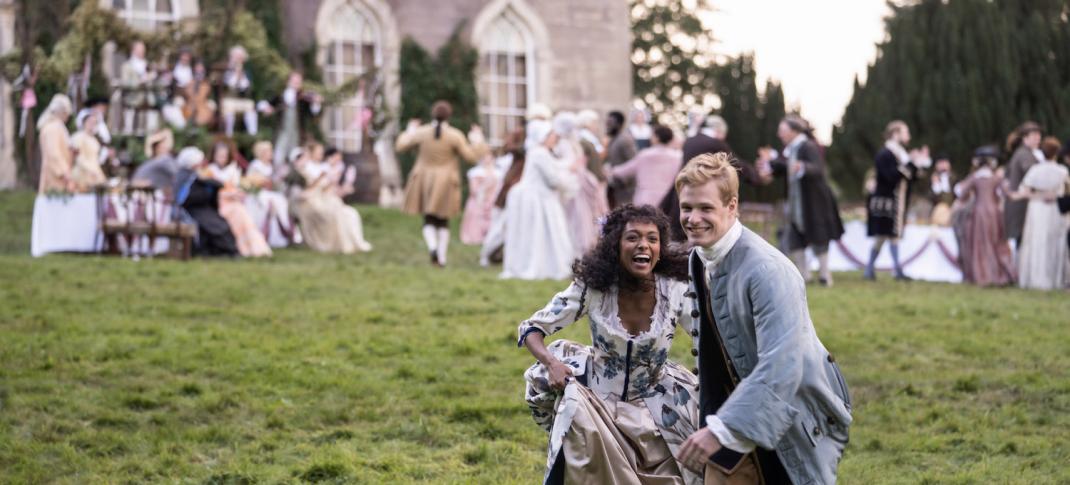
(813, 47)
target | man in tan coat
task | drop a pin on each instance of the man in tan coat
(434, 186)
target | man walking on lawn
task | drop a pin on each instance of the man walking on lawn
(775, 407)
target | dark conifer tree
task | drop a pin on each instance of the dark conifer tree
(961, 73)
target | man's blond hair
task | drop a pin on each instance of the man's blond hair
(895, 126)
(716, 167)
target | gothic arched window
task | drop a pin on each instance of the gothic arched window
(506, 75)
(351, 46)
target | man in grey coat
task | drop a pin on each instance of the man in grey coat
(162, 169)
(774, 403)
(1024, 144)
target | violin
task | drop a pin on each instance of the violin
(199, 108)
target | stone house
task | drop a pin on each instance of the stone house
(567, 54)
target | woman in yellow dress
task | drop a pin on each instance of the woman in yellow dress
(87, 173)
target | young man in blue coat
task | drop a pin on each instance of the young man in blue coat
(774, 405)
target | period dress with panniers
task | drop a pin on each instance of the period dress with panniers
(986, 256)
(632, 408)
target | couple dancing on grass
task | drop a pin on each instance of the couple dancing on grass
(766, 403)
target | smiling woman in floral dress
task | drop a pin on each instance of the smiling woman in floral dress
(616, 411)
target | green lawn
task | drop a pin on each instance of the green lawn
(377, 368)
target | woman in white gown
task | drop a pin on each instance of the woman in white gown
(1042, 259)
(537, 240)
(268, 207)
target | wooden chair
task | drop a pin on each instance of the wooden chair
(179, 234)
(135, 214)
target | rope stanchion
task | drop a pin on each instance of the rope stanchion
(858, 262)
(850, 256)
(951, 258)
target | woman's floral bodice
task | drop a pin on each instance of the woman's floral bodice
(623, 366)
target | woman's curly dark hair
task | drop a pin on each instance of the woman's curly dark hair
(600, 268)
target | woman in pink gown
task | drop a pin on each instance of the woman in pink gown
(483, 183)
(588, 203)
(987, 259)
(225, 170)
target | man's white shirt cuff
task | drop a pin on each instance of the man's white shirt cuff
(726, 437)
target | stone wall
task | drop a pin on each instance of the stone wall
(583, 55)
(590, 41)
(8, 120)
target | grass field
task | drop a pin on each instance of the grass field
(378, 369)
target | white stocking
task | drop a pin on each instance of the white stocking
(228, 124)
(250, 118)
(430, 237)
(799, 257)
(443, 244)
(128, 121)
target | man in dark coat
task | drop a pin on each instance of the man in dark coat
(886, 207)
(813, 215)
(199, 199)
(621, 148)
(296, 109)
(709, 140)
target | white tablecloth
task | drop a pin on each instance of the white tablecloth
(64, 223)
(926, 252)
(69, 223)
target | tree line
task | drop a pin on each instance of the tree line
(961, 73)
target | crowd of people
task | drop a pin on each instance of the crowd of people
(291, 191)
(1009, 220)
(535, 203)
(643, 219)
(620, 411)
(1022, 204)
(554, 186)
